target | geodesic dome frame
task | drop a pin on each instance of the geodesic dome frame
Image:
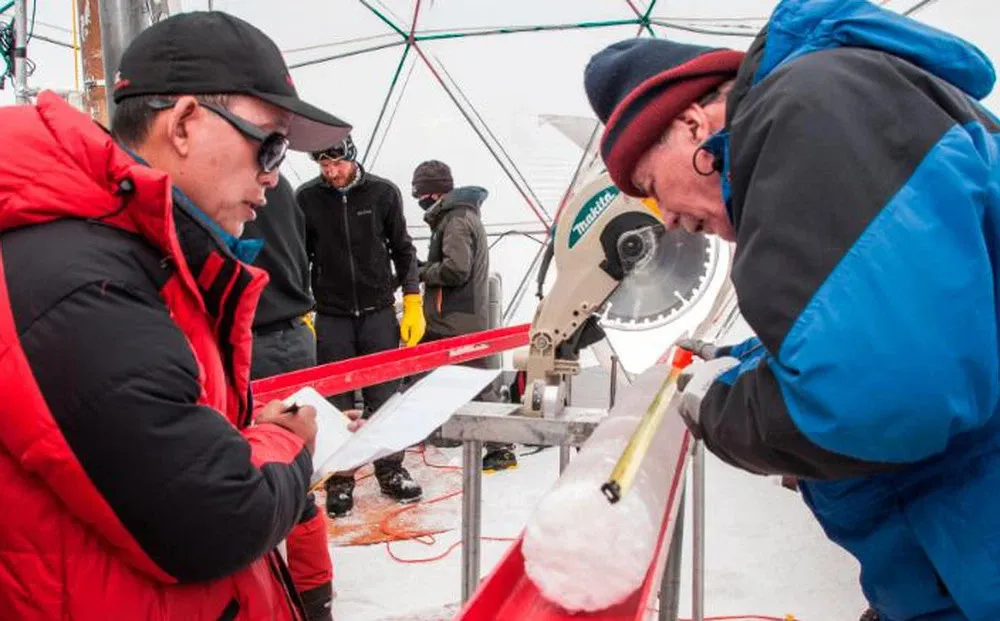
(419, 36)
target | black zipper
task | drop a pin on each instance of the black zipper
(350, 256)
(279, 570)
(230, 611)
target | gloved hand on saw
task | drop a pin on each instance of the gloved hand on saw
(710, 351)
(697, 378)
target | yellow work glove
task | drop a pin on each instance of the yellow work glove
(310, 322)
(413, 325)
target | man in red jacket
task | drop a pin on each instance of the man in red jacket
(135, 482)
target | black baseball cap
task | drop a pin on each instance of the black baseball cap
(209, 52)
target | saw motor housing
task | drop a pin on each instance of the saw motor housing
(600, 237)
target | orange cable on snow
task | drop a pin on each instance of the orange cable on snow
(425, 537)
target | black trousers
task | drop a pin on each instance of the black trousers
(339, 338)
(283, 347)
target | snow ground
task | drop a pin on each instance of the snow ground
(765, 554)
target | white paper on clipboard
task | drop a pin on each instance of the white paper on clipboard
(331, 425)
(402, 421)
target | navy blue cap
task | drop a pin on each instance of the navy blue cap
(638, 86)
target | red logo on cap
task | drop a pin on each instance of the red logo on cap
(120, 82)
(288, 78)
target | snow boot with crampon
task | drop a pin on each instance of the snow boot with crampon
(339, 496)
(396, 483)
(497, 459)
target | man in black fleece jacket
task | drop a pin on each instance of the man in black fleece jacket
(355, 235)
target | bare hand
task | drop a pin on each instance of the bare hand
(301, 422)
(791, 483)
(356, 421)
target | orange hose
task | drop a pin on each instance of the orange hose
(425, 537)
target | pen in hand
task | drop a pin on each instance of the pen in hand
(297, 418)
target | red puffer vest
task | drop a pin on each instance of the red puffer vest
(58, 564)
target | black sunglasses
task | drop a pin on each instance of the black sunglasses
(273, 145)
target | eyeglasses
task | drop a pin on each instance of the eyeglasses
(273, 145)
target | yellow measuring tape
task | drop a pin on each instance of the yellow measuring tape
(623, 475)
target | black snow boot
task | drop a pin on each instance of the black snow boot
(396, 483)
(339, 496)
(870, 615)
(318, 602)
(500, 458)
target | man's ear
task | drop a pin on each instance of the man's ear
(178, 124)
(697, 125)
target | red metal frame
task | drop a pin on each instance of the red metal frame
(338, 377)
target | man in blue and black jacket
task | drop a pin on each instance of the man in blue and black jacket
(848, 157)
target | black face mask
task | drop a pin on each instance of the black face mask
(427, 202)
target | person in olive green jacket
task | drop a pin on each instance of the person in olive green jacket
(456, 273)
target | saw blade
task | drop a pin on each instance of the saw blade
(660, 289)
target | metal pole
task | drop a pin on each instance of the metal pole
(91, 61)
(670, 586)
(21, 52)
(698, 531)
(564, 449)
(613, 390)
(472, 485)
(122, 21)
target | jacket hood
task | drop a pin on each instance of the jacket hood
(68, 167)
(469, 197)
(799, 27)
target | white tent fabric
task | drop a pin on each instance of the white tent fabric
(494, 89)
(489, 88)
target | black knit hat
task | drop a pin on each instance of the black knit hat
(432, 177)
(638, 86)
